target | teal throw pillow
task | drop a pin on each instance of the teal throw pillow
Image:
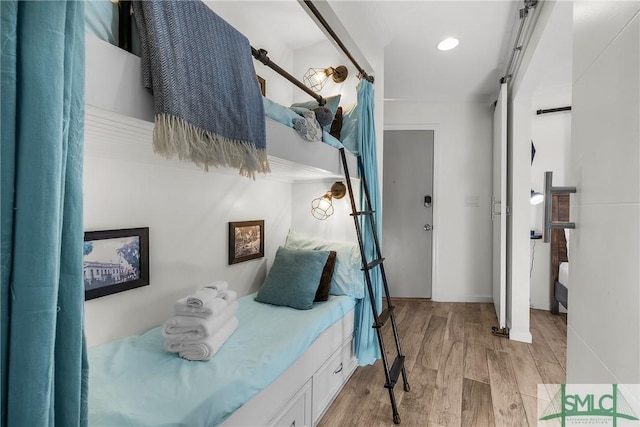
(294, 277)
(347, 277)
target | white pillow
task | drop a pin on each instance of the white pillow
(347, 277)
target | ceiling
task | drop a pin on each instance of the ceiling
(271, 22)
(414, 69)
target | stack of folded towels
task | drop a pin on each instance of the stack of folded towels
(203, 322)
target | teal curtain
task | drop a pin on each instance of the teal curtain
(43, 353)
(366, 340)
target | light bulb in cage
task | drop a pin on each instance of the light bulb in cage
(322, 207)
(315, 78)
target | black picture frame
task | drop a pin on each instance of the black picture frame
(246, 241)
(115, 261)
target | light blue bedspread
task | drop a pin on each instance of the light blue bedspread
(134, 382)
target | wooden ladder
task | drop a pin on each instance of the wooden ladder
(391, 373)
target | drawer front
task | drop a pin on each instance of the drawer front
(328, 380)
(297, 412)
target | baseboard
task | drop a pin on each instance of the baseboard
(463, 298)
(522, 336)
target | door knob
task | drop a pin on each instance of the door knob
(427, 227)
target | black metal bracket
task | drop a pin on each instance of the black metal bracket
(500, 332)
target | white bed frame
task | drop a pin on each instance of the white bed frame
(301, 395)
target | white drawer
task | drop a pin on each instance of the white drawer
(331, 376)
(297, 412)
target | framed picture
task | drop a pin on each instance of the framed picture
(263, 86)
(115, 261)
(246, 241)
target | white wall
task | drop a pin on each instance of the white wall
(248, 18)
(551, 135)
(603, 344)
(187, 212)
(518, 193)
(462, 172)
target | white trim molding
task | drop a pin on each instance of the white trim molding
(464, 298)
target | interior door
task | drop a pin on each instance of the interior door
(499, 206)
(406, 229)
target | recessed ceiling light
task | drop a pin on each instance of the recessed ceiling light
(448, 44)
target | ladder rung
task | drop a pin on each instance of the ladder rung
(384, 316)
(394, 372)
(362, 213)
(374, 263)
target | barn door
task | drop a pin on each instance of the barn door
(499, 206)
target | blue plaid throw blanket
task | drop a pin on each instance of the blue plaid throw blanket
(208, 106)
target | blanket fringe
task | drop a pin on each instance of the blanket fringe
(173, 135)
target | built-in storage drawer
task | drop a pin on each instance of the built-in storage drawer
(328, 380)
(297, 412)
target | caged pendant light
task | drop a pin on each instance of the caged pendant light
(315, 78)
(322, 207)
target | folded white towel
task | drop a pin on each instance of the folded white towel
(206, 348)
(228, 295)
(219, 285)
(201, 297)
(188, 329)
(211, 308)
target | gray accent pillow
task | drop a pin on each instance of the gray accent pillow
(332, 105)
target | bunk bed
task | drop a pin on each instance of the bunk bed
(282, 366)
(311, 357)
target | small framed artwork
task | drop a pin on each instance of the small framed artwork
(263, 86)
(246, 241)
(115, 261)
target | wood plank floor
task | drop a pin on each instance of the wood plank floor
(459, 373)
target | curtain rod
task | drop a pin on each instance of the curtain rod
(335, 37)
(553, 110)
(261, 55)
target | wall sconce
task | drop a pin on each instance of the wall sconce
(315, 78)
(322, 207)
(536, 198)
